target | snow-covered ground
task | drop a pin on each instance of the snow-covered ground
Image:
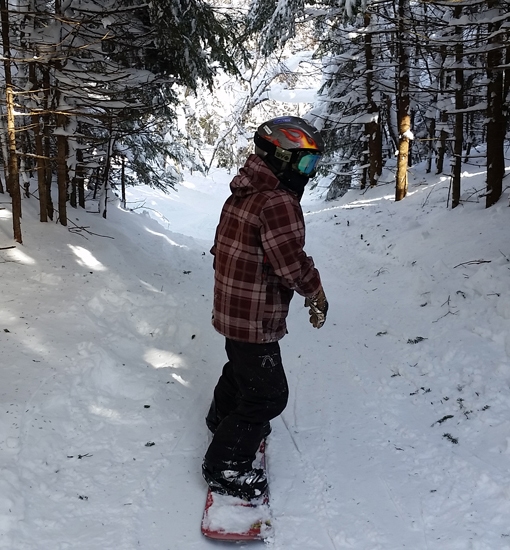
(397, 432)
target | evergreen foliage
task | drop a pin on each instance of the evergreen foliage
(193, 39)
(90, 87)
(104, 80)
(274, 22)
(447, 50)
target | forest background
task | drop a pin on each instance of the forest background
(102, 95)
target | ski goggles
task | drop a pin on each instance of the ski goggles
(305, 162)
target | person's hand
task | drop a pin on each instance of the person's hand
(318, 308)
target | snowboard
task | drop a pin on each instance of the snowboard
(233, 519)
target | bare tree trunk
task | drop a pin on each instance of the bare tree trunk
(73, 196)
(80, 178)
(62, 152)
(403, 99)
(469, 123)
(48, 173)
(506, 86)
(62, 175)
(23, 168)
(12, 180)
(392, 134)
(103, 199)
(5, 153)
(411, 141)
(443, 136)
(62, 146)
(431, 126)
(97, 182)
(443, 117)
(72, 161)
(459, 116)
(496, 119)
(123, 182)
(39, 152)
(373, 128)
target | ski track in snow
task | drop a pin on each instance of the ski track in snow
(396, 434)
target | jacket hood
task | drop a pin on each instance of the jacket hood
(253, 177)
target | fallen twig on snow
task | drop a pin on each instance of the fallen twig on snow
(78, 230)
(472, 262)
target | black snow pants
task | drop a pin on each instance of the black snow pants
(251, 390)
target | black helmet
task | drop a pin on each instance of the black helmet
(290, 143)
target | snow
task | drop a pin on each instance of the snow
(231, 515)
(294, 95)
(397, 431)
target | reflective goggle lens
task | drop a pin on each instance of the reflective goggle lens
(307, 163)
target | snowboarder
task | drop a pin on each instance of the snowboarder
(259, 262)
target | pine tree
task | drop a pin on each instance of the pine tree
(99, 73)
(12, 159)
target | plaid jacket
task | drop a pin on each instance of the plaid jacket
(259, 259)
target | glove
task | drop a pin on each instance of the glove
(318, 308)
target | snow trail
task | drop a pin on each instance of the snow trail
(396, 434)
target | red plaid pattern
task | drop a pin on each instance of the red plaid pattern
(259, 259)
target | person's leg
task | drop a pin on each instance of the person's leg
(262, 395)
(224, 396)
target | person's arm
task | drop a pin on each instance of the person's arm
(283, 239)
(213, 249)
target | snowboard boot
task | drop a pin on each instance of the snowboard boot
(245, 484)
